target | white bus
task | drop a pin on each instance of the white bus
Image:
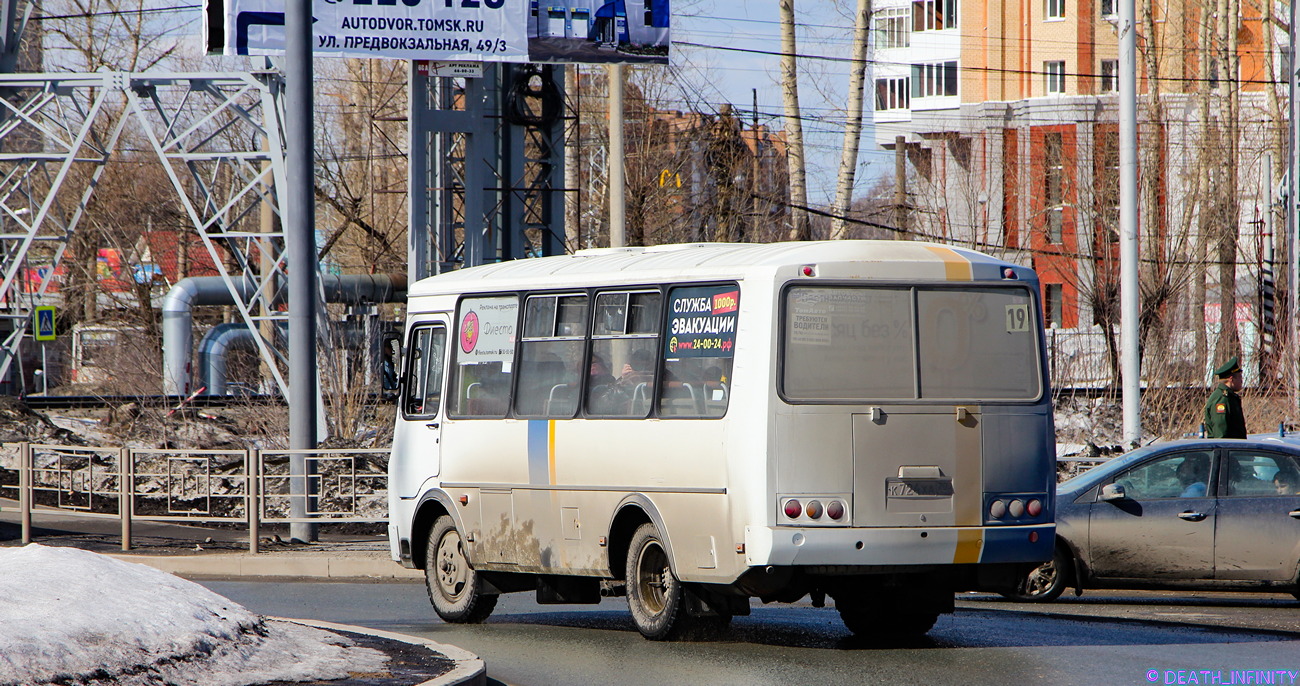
(699, 425)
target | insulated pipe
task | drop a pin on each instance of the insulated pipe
(178, 328)
(212, 354)
(222, 338)
(356, 289)
(178, 324)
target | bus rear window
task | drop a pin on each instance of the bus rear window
(848, 344)
(858, 344)
(978, 343)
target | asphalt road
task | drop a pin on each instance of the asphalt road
(1113, 638)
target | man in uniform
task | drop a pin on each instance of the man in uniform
(1223, 416)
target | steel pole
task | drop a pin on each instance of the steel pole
(1292, 217)
(300, 242)
(1130, 364)
(617, 184)
(417, 232)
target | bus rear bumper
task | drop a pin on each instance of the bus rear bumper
(897, 546)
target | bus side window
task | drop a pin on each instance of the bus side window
(624, 345)
(701, 348)
(422, 392)
(484, 357)
(550, 371)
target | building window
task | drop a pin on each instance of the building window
(1107, 8)
(1055, 9)
(931, 80)
(893, 94)
(1055, 72)
(934, 15)
(1053, 184)
(1109, 76)
(1053, 298)
(891, 28)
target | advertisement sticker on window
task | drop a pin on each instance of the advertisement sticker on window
(702, 321)
(486, 330)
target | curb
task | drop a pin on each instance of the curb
(275, 565)
(468, 668)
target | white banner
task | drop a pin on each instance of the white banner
(486, 30)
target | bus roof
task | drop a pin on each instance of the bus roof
(873, 259)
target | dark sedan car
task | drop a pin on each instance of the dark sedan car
(1210, 514)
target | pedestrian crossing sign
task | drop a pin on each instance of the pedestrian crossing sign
(45, 323)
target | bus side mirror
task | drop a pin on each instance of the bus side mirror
(1113, 492)
(390, 361)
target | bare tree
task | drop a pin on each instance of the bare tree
(799, 228)
(853, 123)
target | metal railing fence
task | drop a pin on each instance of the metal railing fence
(251, 486)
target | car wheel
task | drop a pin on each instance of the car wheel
(1043, 583)
(655, 595)
(455, 589)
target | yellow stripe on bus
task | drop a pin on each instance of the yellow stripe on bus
(550, 448)
(970, 542)
(955, 267)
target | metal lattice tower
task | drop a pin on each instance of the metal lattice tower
(219, 136)
(486, 167)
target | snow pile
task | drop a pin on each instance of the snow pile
(80, 618)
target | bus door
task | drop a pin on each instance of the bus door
(917, 466)
(420, 431)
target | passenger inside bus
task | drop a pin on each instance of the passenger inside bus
(629, 394)
(599, 373)
(639, 368)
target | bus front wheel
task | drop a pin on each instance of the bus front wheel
(455, 589)
(654, 594)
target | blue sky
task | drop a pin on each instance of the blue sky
(723, 50)
(730, 75)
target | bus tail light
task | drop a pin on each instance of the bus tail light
(813, 509)
(1015, 508)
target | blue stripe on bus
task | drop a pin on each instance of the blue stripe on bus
(539, 453)
(1012, 544)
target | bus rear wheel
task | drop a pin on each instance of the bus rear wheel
(655, 595)
(881, 620)
(455, 589)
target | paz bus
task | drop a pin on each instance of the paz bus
(694, 426)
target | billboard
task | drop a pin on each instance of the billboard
(597, 31)
(480, 30)
(586, 31)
